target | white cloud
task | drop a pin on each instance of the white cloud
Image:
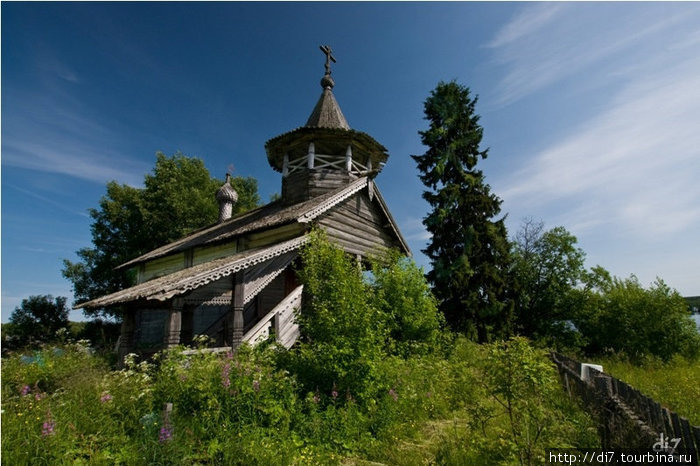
(623, 178)
(414, 230)
(527, 22)
(634, 163)
(52, 133)
(546, 43)
(74, 159)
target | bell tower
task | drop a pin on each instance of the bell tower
(325, 153)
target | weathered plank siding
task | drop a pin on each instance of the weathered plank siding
(217, 292)
(209, 253)
(309, 183)
(273, 236)
(357, 226)
(163, 266)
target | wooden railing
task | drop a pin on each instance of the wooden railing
(279, 321)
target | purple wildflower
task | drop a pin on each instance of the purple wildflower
(393, 394)
(25, 390)
(225, 380)
(105, 397)
(48, 427)
(334, 394)
(256, 385)
(316, 398)
(166, 433)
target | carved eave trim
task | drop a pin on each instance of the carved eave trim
(332, 201)
(258, 277)
(183, 281)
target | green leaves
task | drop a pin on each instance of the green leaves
(178, 198)
(468, 250)
(547, 266)
(36, 320)
(625, 317)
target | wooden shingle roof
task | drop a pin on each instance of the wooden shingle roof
(183, 281)
(270, 215)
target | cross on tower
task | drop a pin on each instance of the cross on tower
(329, 57)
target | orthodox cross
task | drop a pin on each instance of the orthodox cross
(329, 57)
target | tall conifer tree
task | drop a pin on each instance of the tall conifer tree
(469, 249)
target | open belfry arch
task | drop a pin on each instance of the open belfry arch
(234, 281)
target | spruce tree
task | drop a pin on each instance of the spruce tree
(469, 250)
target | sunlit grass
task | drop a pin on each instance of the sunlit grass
(675, 384)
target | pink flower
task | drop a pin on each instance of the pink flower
(105, 397)
(225, 371)
(47, 428)
(25, 390)
(393, 394)
(334, 394)
(166, 433)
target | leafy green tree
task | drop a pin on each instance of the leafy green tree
(469, 250)
(528, 399)
(547, 266)
(343, 332)
(37, 320)
(622, 316)
(401, 292)
(177, 198)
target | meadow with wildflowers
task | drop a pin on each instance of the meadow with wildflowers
(375, 378)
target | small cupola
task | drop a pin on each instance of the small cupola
(226, 196)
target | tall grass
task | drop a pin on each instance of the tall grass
(65, 406)
(675, 383)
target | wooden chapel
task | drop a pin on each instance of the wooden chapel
(234, 281)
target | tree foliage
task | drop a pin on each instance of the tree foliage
(622, 316)
(177, 198)
(36, 320)
(469, 250)
(547, 266)
(350, 323)
(401, 292)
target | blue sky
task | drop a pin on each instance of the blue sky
(591, 112)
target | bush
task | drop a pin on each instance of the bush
(410, 310)
(622, 316)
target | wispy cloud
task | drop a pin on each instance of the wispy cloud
(633, 167)
(547, 43)
(526, 22)
(414, 230)
(72, 159)
(47, 200)
(51, 133)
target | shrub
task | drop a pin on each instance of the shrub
(403, 295)
(624, 317)
(344, 333)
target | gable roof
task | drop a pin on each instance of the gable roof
(270, 215)
(183, 281)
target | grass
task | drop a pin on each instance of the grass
(674, 384)
(66, 406)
